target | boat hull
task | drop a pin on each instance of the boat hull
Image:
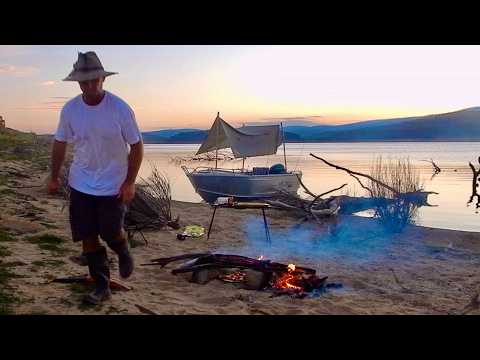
(213, 184)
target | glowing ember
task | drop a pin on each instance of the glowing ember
(288, 280)
(235, 277)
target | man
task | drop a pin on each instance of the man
(102, 176)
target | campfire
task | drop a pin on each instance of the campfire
(254, 274)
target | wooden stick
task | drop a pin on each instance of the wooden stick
(304, 187)
(474, 183)
(363, 186)
(144, 310)
(165, 261)
(325, 193)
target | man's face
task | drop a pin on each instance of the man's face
(92, 87)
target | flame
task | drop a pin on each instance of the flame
(287, 279)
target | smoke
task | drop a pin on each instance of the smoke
(344, 241)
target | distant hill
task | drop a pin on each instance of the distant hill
(462, 125)
(194, 137)
(163, 135)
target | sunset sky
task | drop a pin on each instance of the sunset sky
(185, 86)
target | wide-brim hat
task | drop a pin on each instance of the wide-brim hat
(87, 67)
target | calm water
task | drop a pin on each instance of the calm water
(453, 184)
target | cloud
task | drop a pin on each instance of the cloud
(301, 118)
(13, 70)
(48, 83)
(41, 107)
(10, 51)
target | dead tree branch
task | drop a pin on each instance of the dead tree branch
(356, 173)
(323, 194)
(304, 187)
(436, 168)
(474, 184)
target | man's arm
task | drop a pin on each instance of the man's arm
(58, 155)
(127, 190)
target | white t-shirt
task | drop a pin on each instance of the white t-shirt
(99, 135)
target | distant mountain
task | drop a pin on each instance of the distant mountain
(163, 135)
(462, 125)
(196, 137)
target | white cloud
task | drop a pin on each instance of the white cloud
(13, 70)
(48, 83)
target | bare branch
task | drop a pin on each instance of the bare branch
(304, 187)
(325, 193)
(350, 172)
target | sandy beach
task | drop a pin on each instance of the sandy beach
(420, 271)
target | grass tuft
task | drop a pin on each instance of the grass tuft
(48, 242)
(7, 298)
(5, 236)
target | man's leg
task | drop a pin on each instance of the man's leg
(125, 259)
(84, 225)
(96, 255)
(111, 217)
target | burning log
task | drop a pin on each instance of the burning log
(253, 273)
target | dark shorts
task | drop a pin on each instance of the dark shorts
(92, 215)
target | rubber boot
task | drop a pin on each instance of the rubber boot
(80, 259)
(125, 259)
(99, 271)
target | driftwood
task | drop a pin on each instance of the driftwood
(144, 310)
(315, 208)
(436, 168)
(321, 207)
(417, 197)
(351, 172)
(475, 194)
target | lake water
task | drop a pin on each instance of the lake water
(453, 183)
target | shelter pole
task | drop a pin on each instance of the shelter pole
(216, 144)
(283, 140)
(243, 164)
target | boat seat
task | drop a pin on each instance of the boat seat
(260, 170)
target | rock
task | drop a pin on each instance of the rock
(255, 280)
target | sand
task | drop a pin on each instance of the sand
(420, 271)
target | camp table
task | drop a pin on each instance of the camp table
(242, 205)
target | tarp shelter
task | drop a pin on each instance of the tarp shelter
(246, 141)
